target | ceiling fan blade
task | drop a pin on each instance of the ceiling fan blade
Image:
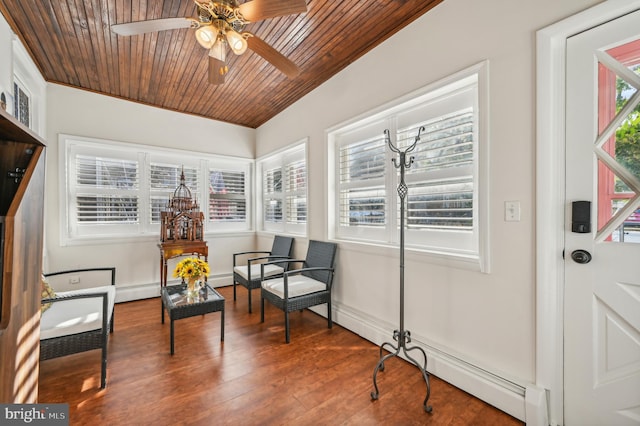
(276, 58)
(217, 70)
(257, 10)
(152, 25)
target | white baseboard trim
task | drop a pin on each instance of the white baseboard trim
(536, 406)
(149, 290)
(501, 393)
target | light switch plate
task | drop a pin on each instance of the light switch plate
(512, 211)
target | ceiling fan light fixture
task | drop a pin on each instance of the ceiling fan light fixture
(219, 50)
(206, 36)
(222, 22)
(237, 42)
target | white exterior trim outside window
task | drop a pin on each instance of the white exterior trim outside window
(282, 190)
(115, 191)
(446, 211)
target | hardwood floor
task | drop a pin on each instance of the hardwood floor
(323, 377)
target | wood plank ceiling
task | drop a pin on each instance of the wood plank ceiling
(72, 44)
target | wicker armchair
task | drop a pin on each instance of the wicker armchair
(249, 275)
(78, 320)
(302, 288)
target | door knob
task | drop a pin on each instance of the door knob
(581, 256)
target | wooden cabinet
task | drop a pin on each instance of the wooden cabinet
(22, 155)
(171, 249)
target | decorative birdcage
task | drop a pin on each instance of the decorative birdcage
(182, 220)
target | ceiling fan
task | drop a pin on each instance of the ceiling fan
(220, 23)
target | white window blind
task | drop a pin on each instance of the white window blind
(362, 187)
(441, 177)
(107, 190)
(272, 190)
(227, 196)
(284, 191)
(296, 191)
(164, 178)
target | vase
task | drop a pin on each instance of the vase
(193, 287)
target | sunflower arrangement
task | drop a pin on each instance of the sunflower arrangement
(191, 269)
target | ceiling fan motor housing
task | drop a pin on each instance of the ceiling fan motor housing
(223, 10)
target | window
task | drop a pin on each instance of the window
(443, 211)
(227, 196)
(21, 99)
(283, 187)
(117, 190)
(108, 190)
(618, 205)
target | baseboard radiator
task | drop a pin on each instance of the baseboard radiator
(524, 401)
(149, 290)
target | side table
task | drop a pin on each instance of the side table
(178, 305)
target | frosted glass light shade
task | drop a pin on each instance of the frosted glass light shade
(237, 43)
(206, 36)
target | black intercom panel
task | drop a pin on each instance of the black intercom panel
(581, 217)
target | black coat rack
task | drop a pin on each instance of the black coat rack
(402, 336)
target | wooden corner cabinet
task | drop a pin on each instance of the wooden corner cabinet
(22, 155)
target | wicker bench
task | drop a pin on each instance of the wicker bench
(78, 320)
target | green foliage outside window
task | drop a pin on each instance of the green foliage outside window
(628, 134)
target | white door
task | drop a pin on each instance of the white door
(602, 297)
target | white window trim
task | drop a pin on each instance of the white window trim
(150, 232)
(300, 230)
(26, 74)
(478, 260)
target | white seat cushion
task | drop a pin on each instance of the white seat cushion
(269, 270)
(298, 285)
(74, 316)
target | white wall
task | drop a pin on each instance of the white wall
(6, 63)
(82, 113)
(487, 320)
